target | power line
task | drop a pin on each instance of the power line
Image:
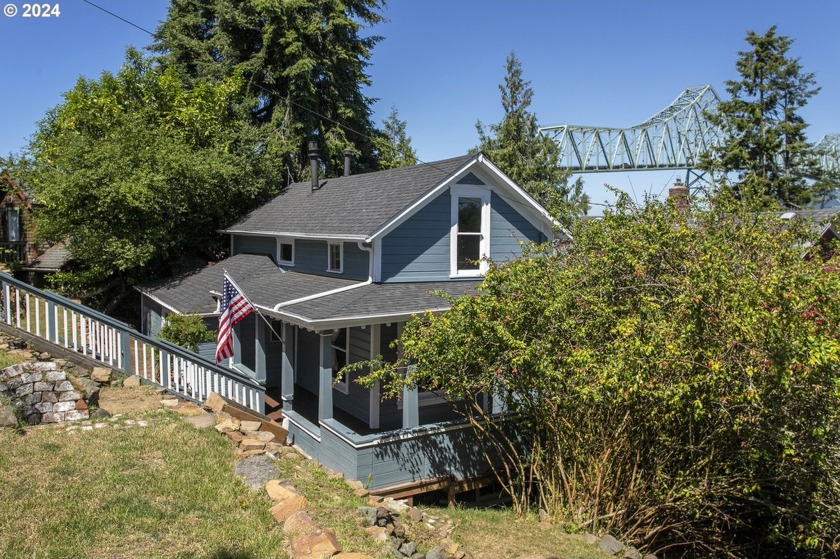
(118, 17)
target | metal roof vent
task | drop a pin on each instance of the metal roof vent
(788, 215)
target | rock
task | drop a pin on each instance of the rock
(369, 514)
(378, 533)
(262, 436)
(61, 363)
(32, 377)
(256, 471)
(69, 395)
(609, 545)
(188, 409)
(408, 548)
(252, 444)
(81, 405)
(544, 517)
(63, 406)
(649, 556)
(131, 382)
(102, 375)
(393, 504)
(3, 387)
(169, 402)
(320, 545)
(247, 453)
(215, 402)
(631, 553)
(591, 539)
(23, 390)
(55, 376)
(460, 555)
(415, 514)
(100, 414)
(273, 447)
(44, 407)
(42, 386)
(63, 386)
(32, 418)
(287, 507)
(13, 370)
(44, 356)
(203, 421)
(246, 426)
(300, 523)
(351, 556)
(49, 397)
(236, 436)
(227, 424)
(52, 417)
(8, 418)
(89, 388)
(75, 415)
(33, 398)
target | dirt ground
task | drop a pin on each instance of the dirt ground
(118, 399)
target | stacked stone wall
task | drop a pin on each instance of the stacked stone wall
(42, 393)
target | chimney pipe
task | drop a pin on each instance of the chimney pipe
(348, 153)
(679, 193)
(313, 163)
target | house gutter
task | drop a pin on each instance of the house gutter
(369, 281)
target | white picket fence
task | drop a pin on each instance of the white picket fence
(115, 344)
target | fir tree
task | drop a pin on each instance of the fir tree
(532, 160)
(303, 63)
(394, 144)
(766, 147)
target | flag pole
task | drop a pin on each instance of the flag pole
(253, 306)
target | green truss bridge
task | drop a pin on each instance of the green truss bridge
(674, 138)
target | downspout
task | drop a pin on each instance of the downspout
(369, 281)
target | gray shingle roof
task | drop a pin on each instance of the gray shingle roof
(51, 260)
(263, 282)
(383, 299)
(353, 206)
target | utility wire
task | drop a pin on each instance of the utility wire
(118, 17)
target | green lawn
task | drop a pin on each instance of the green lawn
(165, 490)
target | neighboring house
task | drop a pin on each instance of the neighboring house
(16, 242)
(17, 234)
(337, 267)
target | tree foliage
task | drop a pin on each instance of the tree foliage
(766, 146)
(672, 380)
(303, 65)
(136, 170)
(394, 143)
(186, 330)
(529, 158)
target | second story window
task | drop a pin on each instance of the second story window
(335, 253)
(470, 233)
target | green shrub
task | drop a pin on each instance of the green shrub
(675, 380)
(186, 330)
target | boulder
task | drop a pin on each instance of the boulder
(631, 553)
(279, 489)
(300, 523)
(55, 376)
(89, 388)
(246, 426)
(609, 545)
(203, 421)
(252, 444)
(227, 424)
(262, 436)
(256, 471)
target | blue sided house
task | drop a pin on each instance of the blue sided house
(335, 268)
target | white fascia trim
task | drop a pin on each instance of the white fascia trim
(323, 324)
(392, 223)
(292, 235)
(278, 306)
(535, 206)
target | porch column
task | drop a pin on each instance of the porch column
(411, 408)
(260, 332)
(237, 346)
(373, 419)
(325, 388)
(287, 375)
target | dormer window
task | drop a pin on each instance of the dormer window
(335, 257)
(286, 252)
(470, 233)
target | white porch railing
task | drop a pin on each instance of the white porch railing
(99, 337)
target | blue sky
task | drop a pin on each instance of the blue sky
(607, 63)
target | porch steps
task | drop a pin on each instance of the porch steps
(273, 408)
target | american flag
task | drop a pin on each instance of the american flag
(234, 308)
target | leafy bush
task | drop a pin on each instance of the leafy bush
(671, 378)
(186, 330)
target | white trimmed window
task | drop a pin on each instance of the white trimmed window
(340, 352)
(335, 257)
(286, 251)
(470, 233)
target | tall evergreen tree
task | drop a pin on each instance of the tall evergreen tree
(394, 143)
(529, 158)
(766, 147)
(303, 63)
